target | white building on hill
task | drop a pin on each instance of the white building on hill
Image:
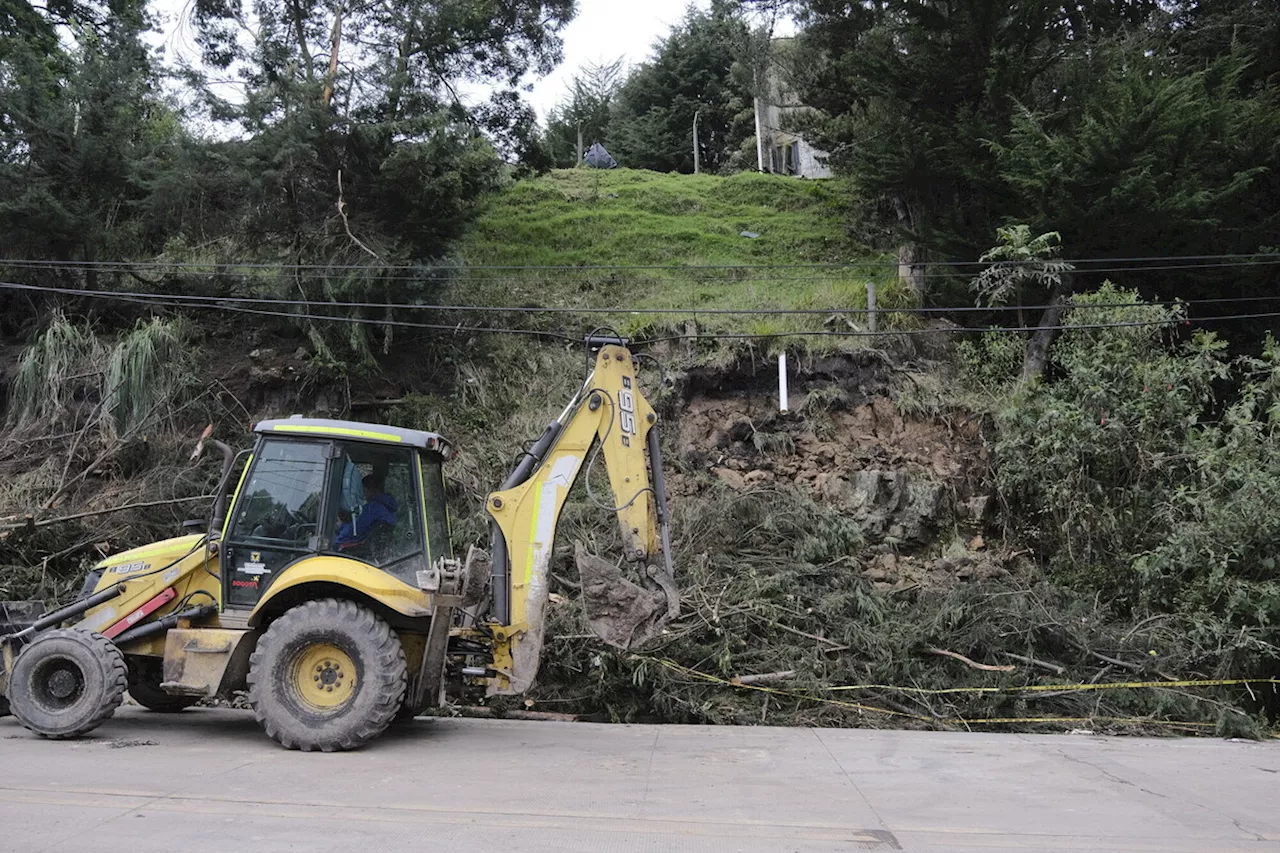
(779, 150)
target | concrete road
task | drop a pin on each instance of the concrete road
(208, 780)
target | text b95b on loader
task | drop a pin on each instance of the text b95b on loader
(325, 586)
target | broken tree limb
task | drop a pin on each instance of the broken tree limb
(489, 713)
(1043, 664)
(972, 664)
(764, 677)
(32, 524)
(803, 633)
(1132, 667)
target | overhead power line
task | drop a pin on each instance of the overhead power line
(1233, 259)
(199, 300)
(165, 301)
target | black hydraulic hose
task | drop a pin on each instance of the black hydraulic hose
(660, 499)
(527, 462)
(501, 578)
(64, 613)
(165, 623)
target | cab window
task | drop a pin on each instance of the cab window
(437, 509)
(279, 504)
(379, 517)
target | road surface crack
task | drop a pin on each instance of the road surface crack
(1113, 777)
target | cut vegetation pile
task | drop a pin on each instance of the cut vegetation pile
(918, 542)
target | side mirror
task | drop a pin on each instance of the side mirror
(195, 524)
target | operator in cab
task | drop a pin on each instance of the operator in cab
(379, 509)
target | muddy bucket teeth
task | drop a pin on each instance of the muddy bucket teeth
(620, 612)
(16, 616)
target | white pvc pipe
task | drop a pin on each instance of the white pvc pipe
(782, 382)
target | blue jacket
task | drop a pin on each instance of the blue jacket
(381, 509)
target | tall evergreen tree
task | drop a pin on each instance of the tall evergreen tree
(690, 74)
(79, 115)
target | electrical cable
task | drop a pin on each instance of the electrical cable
(701, 335)
(1271, 257)
(176, 300)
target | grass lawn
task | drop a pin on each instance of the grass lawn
(629, 239)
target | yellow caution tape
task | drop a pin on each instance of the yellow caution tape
(1110, 685)
(861, 708)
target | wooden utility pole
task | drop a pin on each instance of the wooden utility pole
(580, 152)
(696, 156)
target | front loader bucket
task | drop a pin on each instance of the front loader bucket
(15, 616)
(622, 613)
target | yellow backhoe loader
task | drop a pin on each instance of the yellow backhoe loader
(324, 585)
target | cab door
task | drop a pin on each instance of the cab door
(280, 515)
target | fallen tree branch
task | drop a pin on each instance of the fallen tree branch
(1043, 664)
(342, 211)
(972, 664)
(50, 521)
(764, 677)
(489, 713)
(1132, 667)
(832, 643)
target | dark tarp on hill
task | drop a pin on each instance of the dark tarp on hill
(598, 158)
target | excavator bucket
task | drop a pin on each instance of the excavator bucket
(622, 613)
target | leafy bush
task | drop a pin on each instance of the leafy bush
(1133, 482)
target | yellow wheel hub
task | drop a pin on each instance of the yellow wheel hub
(325, 676)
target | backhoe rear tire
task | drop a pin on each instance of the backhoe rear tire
(327, 675)
(66, 683)
(145, 675)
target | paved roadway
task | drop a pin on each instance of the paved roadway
(208, 780)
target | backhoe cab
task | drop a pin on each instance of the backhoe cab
(327, 589)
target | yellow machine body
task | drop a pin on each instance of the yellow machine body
(194, 612)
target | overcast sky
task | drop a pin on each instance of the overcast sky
(603, 31)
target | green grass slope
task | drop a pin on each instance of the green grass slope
(635, 239)
(632, 217)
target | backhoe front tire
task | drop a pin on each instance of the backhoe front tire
(145, 675)
(327, 675)
(66, 683)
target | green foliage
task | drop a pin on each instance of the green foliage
(1131, 128)
(81, 122)
(991, 362)
(575, 221)
(50, 373)
(69, 377)
(691, 72)
(147, 371)
(583, 115)
(1149, 155)
(1136, 484)
(1019, 261)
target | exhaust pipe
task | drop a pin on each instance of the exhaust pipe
(220, 505)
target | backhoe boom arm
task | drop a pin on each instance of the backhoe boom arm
(610, 410)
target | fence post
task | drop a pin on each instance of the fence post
(871, 306)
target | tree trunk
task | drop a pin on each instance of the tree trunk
(333, 55)
(911, 270)
(301, 34)
(1037, 352)
(910, 255)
